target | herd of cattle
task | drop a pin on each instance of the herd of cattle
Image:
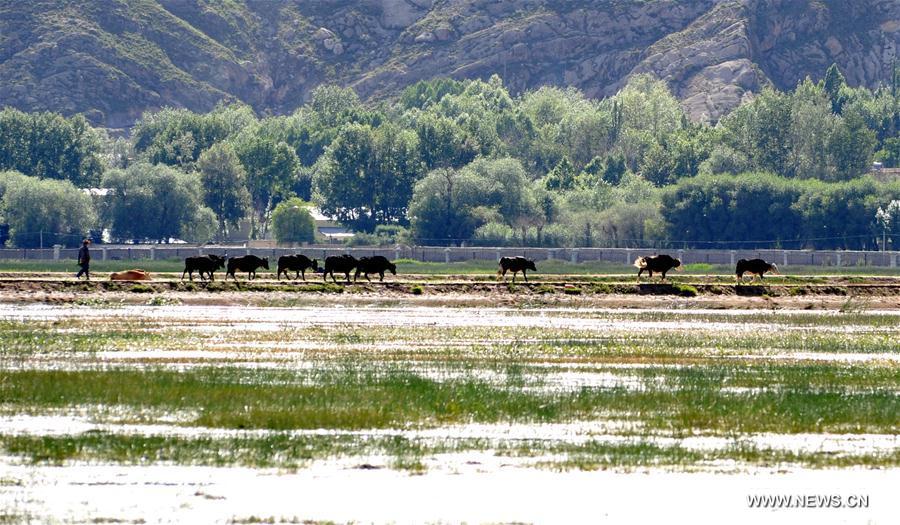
(207, 265)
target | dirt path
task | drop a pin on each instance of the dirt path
(811, 293)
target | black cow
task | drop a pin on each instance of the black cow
(515, 265)
(247, 263)
(296, 263)
(754, 267)
(203, 264)
(656, 263)
(375, 264)
(339, 263)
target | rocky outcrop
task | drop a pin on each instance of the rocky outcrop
(112, 61)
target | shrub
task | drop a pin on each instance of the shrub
(291, 222)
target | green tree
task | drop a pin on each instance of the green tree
(153, 202)
(760, 130)
(425, 93)
(45, 212)
(177, 137)
(443, 143)
(561, 177)
(224, 186)
(292, 222)
(888, 219)
(850, 148)
(49, 146)
(647, 105)
(812, 123)
(271, 169)
(203, 228)
(367, 175)
(614, 169)
(449, 205)
(444, 207)
(834, 85)
(889, 155)
(740, 210)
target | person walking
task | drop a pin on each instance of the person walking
(84, 260)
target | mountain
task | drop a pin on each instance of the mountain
(114, 59)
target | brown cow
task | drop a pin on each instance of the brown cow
(130, 275)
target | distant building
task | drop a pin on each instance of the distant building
(884, 174)
(328, 227)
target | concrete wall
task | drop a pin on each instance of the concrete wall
(455, 254)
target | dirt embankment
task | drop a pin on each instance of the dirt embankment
(811, 293)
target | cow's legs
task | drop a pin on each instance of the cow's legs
(525, 275)
(381, 276)
(303, 274)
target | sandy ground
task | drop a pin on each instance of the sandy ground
(455, 299)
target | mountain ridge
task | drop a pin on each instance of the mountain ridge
(114, 59)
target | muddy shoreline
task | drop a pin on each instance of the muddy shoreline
(834, 293)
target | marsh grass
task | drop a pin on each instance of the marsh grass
(683, 401)
(872, 333)
(691, 381)
(273, 450)
(595, 455)
(26, 338)
(285, 451)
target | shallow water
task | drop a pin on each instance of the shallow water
(466, 493)
(475, 486)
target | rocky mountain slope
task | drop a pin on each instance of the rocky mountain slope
(114, 59)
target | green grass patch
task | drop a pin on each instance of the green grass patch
(776, 398)
(286, 451)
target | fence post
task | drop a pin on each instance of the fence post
(56, 248)
(498, 254)
(551, 254)
(838, 258)
(574, 257)
(731, 256)
(894, 260)
(103, 251)
(681, 256)
(200, 251)
(396, 252)
(153, 253)
(627, 255)
(447, 255)
(784, 262)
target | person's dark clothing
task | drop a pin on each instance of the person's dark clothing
(84, 260)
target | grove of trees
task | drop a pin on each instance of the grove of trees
(465, 161)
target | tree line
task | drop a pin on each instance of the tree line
(464, 161)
